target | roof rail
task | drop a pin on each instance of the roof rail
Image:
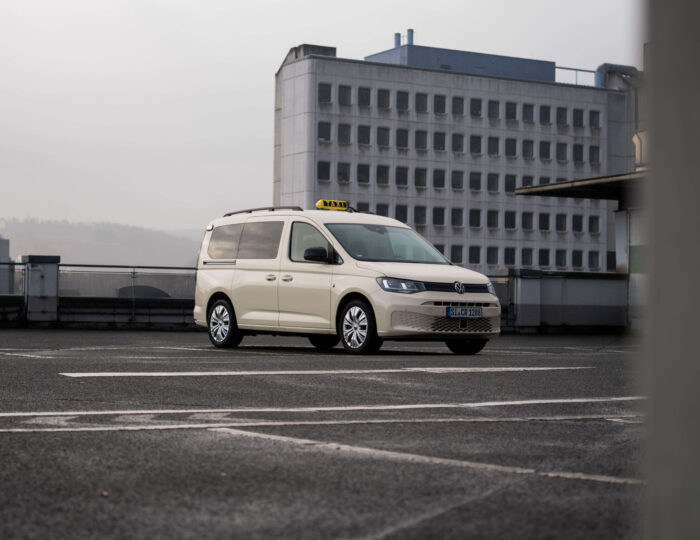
(269, 208)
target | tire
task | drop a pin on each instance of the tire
(357, 328)
(221, 323)
(465, 346)
(324, 342)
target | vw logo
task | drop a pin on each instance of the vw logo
(459, 287)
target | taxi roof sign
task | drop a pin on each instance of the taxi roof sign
(330, 204)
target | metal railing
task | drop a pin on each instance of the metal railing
(12, 279)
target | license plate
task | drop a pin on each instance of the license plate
(464, 313)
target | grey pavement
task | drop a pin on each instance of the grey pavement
(160, 435)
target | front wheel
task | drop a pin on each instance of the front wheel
(221, 321)
(358, 329)
(465, 346)
(324, 342)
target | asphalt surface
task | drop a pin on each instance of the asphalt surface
(159, 435)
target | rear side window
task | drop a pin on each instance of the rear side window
(260, 240)
(223, 243)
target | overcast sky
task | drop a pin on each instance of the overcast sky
(159, 113)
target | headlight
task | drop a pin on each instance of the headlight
(491, 288)
(400, 285)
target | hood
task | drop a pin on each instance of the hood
(436, 273)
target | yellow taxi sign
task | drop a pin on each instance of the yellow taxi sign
(330, 204)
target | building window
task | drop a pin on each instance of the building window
(509, 222)
(439, 104)
(493, 146)
(510, 183)
(382, 209)
(545, 114)
(544, 180)
(578, 120)
(494, 109)
(527, 180)
(492, 255)
(475, 107)
(439, 216)
(344, 133)
(593, 260)
(323, 171)
(492, 219)
(526, 221)
(594, 155)
(475, 181)
(475, 144)
(526, 257)
(561, 179)
(402, 138)
(458, 180)
(509, 256)
(544, 221)
(421, 140)
(492, 182)
(363, 135)
(419, 215)
(364, 96)
(402, 176)
(420, 176)
(362, 173)
(345, 95)
(474, 254)
(593, 224)
(458, 142)
(545, 150)
(421, 103)
(457, 105)
(543, 257)
(363, 207)
(324, 93)
(440, 248)
(402, 100)
(511, 147)
(528, 117)
(456, 253)
(577, 258)
(560, 258)
(457, 217)
(383, 136)
(439, 141)
(383, 99)
(439, 178)
(561, 222)
(343, 173)
(562, 116)
(577, 223)
(324, 131)
(578, 153)
(511, 110)
(528, 149)
(594, 119)
(562, 152)
(475, 218)
(401, 213)
(382, 175)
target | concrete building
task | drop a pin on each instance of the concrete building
(440, 139)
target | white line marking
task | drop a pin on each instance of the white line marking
(334, 448)
(403, 407)
(436, 370)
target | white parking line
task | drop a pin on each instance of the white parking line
(347, 408)
(435, 370)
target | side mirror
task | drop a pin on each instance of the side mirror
(316, 254)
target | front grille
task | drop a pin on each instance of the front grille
(429, 323)
(450, 287)
(458, 304)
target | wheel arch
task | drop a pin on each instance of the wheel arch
(349, 297)
(215, 298)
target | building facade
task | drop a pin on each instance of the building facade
(441, 139)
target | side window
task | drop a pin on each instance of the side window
(304, 236)
(223, 243)
(260, 240)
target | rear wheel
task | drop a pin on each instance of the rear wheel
(221, 321)
(324, 342)
(465, 346)
(357, 328)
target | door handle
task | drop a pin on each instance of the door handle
(287, 277)
(270, 277)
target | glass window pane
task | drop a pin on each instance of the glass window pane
(223, 243)
(260, 240)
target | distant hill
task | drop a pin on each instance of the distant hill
(101, 243)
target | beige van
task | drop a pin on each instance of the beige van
(336, 276)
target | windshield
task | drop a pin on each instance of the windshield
(384, 244)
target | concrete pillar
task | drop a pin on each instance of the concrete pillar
(41, 287)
